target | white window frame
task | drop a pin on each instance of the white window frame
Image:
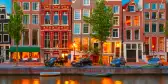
(3, 15)
(83, 28)
(86, 4)
(79, 28)
(149, 5)
(145, 16)
(118, 9)
(86, 10)
(28, 36)
(118, 21)
(79, 14)
(163, 5)
(1, 38)
(23, 6)
(130, 19)
(134, 8)
(58, 17)
(4, 39)
(3, 26)
(149, 28)
(118, 33)
(64, 13)
(156, 6)
(37, 19)
(37, 5)
(47, 13)
(56, 4)
(28, 17)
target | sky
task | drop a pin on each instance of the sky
(8, 4)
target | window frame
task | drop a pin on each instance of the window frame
(47, 13)
(130, 6)
(115, 32)
(23, 37)
(79, 14)
(145, 15)
(28, 18)
(38, 6)
(118, 21)
(54, 16)
(118, 9)
(156, 15)
(56, 40)
(47, 39)
(1, 38)
(83, 28)
(65, 39)
(138, 21)
(146, 4)
(88, 12)
(163, 27)
(130, 34)
(149, 27)
(4, 26)
(64, 13)
(4, 37)
(130, 21)
(37, 37)
(138, 34)
(156, 6)
(1, 26)
(86, 4)
(163, 5)
(152, 27)
(37, 19)
(56, 3)
(2, 18)
(23, 6)
(79, 28)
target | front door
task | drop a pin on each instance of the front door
(131, 55)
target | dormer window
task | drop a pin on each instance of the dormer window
(131, 8)
(55, 1)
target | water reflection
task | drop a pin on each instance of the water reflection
(122, 79)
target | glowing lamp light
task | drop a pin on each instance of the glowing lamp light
(118, 82)
(153, 47)
(118, 45)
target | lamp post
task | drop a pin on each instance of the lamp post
(153, 49)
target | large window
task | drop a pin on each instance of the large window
(131, 8)
(5, 37)
(161, 15)
(77, 14)
(107, 47)
(35, 19)
(161, 6)
(137, 35)
(86, 12)
(25, 19)
(161, 44)
(147, 5)
(161, 27)
(56, 18)
(128, 34)
(153, 27)
(154, 6)
(64, 40)
(56, 40)
(47, 40)
(147, 27)
(128, 20)
(26, 6)
(86, 2)
(65, 18)
(85, 43)
(55, 1)
(85, 28)
(154, 15)
(115, 33)
(47, 18)
(116, 9)
(116, 21)
(136, 21)
(35, 6)
(35, 37)
(77, 28)
(25, 37)
(147, 16)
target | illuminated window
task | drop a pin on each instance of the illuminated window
(161, 44)
(128, 20)
(116, 20)
(85, 43)
(136, 21)
(161, 15)
(128, 34)
(77, 42)
(107, 47)
(65, 40)
(147, 15)
(161, 27)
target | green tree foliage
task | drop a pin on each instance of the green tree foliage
(15, 26)
(101, 20)
(166, 29)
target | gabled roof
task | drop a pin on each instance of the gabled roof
(130, 3)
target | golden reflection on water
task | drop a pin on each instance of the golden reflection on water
(25, 81)
(107, 81)
(36, 81)
(118, 82)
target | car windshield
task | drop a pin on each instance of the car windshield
(52, 58)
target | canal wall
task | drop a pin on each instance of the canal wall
(80, 71)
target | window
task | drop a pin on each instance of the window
(96, 45)
(0, 38)
(86, 2)
(134, 46)
(2, 16)
(154, 6)
(128, 46)
(116, 20)
(161, 15)
(7, 52)
(4, 25)
(147, 27)
(5, 38)
(136, 21)
(25, 37)
(55, 1)
(115, 33)
(47, 18)
(35, 19)
(35, 37)
(85, 43)
(77, 15)
(161, 6)
(136, 34)
(47, 40)
(116, 9)
(86, 12)
(65, 40)
(1, 27)
(131, 8)
(65, 18)
(56, 18)
(25, 19)
(128, 20)
(56, 40)
(26, 6)
(161, 44)
(85, 28)
(147, 5)
(35, 6)
(153, 27)
(128, 34)
(76, 28)
(161, 27)
(154, 16)
(147, 15)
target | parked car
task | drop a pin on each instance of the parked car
(117, 62)
(155, 61)
(54, 61)
(82, 62)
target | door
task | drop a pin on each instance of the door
(131, 55)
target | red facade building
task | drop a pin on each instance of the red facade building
(55, 28)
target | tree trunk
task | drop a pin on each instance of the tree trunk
(17, 55)
(101, 53)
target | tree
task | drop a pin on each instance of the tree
(101, 20)
(15, 26)
(166, 29)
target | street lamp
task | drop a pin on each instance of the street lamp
(74, 45)
(153, 49)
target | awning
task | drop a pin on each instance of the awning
(25, 49)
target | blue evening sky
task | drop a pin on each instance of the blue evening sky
(8, 3)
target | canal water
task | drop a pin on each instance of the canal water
(117, 79)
